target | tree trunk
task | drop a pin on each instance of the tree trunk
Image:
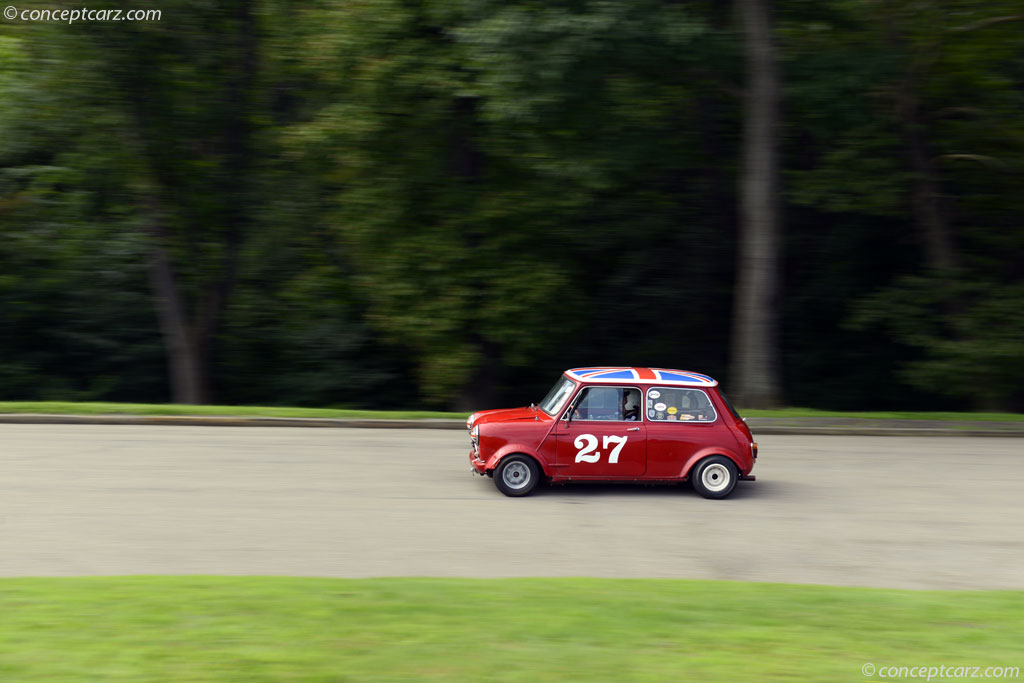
(755, 355)
(190, 327)
(481, 392)
(932, 225)
(184, 352)
(928, 214)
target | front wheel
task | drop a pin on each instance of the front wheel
(714, 477)
(516, 475)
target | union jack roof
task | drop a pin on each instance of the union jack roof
(646, 375)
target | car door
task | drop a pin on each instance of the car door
(598, 440)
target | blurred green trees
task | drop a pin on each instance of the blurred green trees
(448, 202)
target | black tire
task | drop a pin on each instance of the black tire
(516, 475)
(714, 477)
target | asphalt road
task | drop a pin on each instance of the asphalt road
(935, 512)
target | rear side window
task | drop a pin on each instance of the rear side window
(729, 405)
(675, 404)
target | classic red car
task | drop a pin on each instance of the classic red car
(649, 425)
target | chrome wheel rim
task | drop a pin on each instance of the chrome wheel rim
(715, 477)
(516, 475)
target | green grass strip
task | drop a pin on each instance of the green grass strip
(69, 408)
(293, 629)
(887, 415)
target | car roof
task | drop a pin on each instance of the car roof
(616, 375)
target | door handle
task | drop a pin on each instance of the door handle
(633, 429)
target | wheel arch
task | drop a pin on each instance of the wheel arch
(692, 461)
(516, 449)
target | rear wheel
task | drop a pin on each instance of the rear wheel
(714, 477)
(516, 475)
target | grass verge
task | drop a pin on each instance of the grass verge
(69, 408)
(272, 629)
(887, 415)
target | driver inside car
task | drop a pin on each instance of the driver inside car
(629, 405)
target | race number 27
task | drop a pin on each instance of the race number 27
(587, 445)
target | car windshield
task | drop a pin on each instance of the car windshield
(555, 399)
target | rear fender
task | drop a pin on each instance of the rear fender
(709, 451)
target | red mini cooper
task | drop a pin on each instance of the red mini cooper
(646, 425)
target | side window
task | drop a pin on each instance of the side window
(608, 403)
(673, 404)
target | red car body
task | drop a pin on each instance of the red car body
(683, 422)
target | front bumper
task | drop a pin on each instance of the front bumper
(479, 466)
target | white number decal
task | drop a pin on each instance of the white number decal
(586, 443)
(619, 442)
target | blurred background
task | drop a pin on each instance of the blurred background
(445, 203)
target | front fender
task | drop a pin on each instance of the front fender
(713, 450)
(513, 448)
